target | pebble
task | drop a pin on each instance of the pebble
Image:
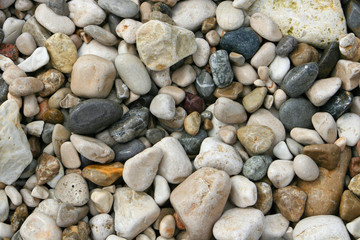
(353, 227)
(161, 190)
(191, 14)
(68, 215)
(281, 151)
(349, 206)
(322, 90)
(286, 45)
(305, 136)
(16, 154)
(31, 107)
(127, 150)
(294, 20)
(281, 173)
(243, 41)
(245, 74)
(73, 189)
(92, 77)
(59, 7)
(134, 212)
(167, 226)
(95, 48)
(163, 106)
(53, 116)
(11, 73)
(35, 128)
(229, 111)
(12, 29)
(348, 126)
(232, 91)
(325, 155)
(103, 175)
(351, 12)
(354, 185)
(183, 76)
(9, 50)
(84, 13)
(255, 167)
(338, 103)
(265, 27)
(296, 112)
(56, 98)
(291, 202)
(213, 38)
(246, 223)
(256, 139)
(327, 227)
(59, 135)
(264, 56)
(175, 165)
(264, 200)
(190, 143)
(255, 99)
(102, 226)
(47, 168)
(348, 72)
(205, 85)
(354, 166)
(133, 72)
(13, 194)
(303, 53)
(214, 187)
(228, 17)
(38, 32)
(39, 225)
(19, 216)
(40, 192)
(53, 22)
(325, 125)
(101, 35)
(4, 206)
(212, 152)
(62, 60)
(355, 106)
(124, 8)
(243, 192)
(153, 38)
(37, 59)
(192, 123)
(328, 59)
(29, 200)
(202, 54)
(25, 86)
(175, 92)
(52, 80)
(94, 115)
(136, 117)
(279, 67)
(305, 168)
(127, 28)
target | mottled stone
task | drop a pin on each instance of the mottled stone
(325, 155)
(303, 53)
(191, 144)
(124, 151)
(153, 38)
(53, 116)
(9, 50)
(354, 185)
(19, 216)
(297, 112)
(232, 91)
(253, 100)
(338, 104)
(72, 188)
(24, 86)
(131, 125)
(94, 115)
(193, 103)
(255, 168)
(47, 168)
(204, 84)
(243, 41)
(256, 139)
(103, 175)
(264, 197)
(291, 202)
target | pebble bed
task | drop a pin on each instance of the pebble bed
(179, 119)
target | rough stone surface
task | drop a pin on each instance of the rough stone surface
(256, 139)
(73, 189)
(291, 202)
(221, 69)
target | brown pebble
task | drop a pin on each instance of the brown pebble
(2, 185)
(208, 124)
(77, 171)
(52, 80)
(325, 155)
(232, 91)
(44, 106)
(304, 53)
(47, 168)
(77, 232)
(264, 197)
(208, 24)
(84, 36)
(349, 206)
(19, 216)
(9, 50)
(192, 123)
(193, 103)
(53, 116)
(354, 167)
(35, 146)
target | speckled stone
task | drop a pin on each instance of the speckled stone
(72, 188)
(221, 68)
(47, 168)
(131, 125)
(299, 79)
(256, 139)
(19, 216)
(264, 197)
(297, 112)
(204, 84)
(94, 115)
(255, 168)
(9, 50)
(243, 41)
(338, 104)
(191, 144)
(286, 45)
(328, 59)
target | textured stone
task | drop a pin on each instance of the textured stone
(253, 100)
(9, 50)
(232, 91)
(40, 226)
(286, 45)
(221, 69)
(205, 85)
(199, 214)
(191, 144)
(72, 188)
(62, 60)
(354, 185)
(255, 168)
(15, 155)
(52, 80)
(306, 21)
(349, 73)
(159, 49)
(19, 216)
(338, 104)
(39, 33)
(48, 167)
(352, 14)
(303, 53)
(53, 116)
(325, 155)
(256, 139)
(348, 126)
(264, 197)
(103, 175)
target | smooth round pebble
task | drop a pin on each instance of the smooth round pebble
(305, 168)
(281, 173)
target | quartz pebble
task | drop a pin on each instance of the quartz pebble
(228, 17)
(243, 192)
(281, 173)
(349, 126)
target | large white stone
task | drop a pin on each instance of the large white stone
(134, 212)
(12, 29)
(15, 154)
(86, 12)
(40, 226)
(314, 22)
(214, 153)
(320, 227)
(38, 59)
(349, 127)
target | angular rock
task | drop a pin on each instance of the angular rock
(48, 167)
(325, 155)
(291, 202)
(103, 175)
(349, 206)
(38, 59)
(39, 33)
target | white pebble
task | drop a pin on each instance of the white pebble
(275, 226)
(4, 206)
(354, 227)
(167, 226)
(281, 151)
(35, 128)
(5, 230)
(14, 195)
(228, 17)
(161, 190)
(349, 127)
(305, 168)
(281, 173)
(306, 136)
(38, 59)
(163, 106)
(40, 192)
(278, 68)
(184, 76)
(243, 191)
(325, 125)
(202, 54)
(102, 226)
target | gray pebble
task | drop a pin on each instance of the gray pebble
(155, 134)
(286, 45)
(204, 84)
(221, 68)
(124, 151)
(60, 7)
(255, 168)
(121, 8)
(101, 35)
(46, 135)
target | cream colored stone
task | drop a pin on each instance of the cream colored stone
(264, 56)
(103, 200)
(348, 72)
(228, 17)
(202, 54)
(11, 73)
(40, 226)
(243, 191)
(245, 74)
(69, 156)
(349, 127)
(31, 106)
(265, 27)
(229, 111)
(281, 173)
(35, 128)
(175, 92)
(306, 136)
(127, 28)
(325, 125)
(322, 90)
(85, 12)
(161, 190)
(59, 135)
(38, 59)
(157, 44)
(279, 68)
(95, 48)
(184, 76)
(161, 78)
(305, 168)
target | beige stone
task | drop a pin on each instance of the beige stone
(322, 90)
(229, 111)
(69, 156)
(265, 27)
(24, 86)
(348, 72)
(11, 73)
(161, 45)
(59, 135)
(177, 93)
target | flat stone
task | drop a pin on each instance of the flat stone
(92, 77)
(39, 225)
(256, 139)
(243, 41)
(153, 37)
(103, 175)
(83, 13)
(213, 153)
(338, 103)
(329, 185)
(72, 188)
(299, 79)
(306, 21)
(123, 8)
(62, 60)
(131, 125)
(140, 170)
(15, 155)
(94, 115)
(124, 151)
(221, 69)
(39, 33)
(297, 112)
(38, 59)
(245, 224)
(134, 212)
(101, 35)
(214, 187)
(325, 155)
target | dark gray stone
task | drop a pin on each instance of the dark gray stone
(29, 170)
(162, 7)
(46, 135)
(255, 168)
(94, 115)
(2, 35)
(299, 79)
(204, 84)
(297, 112)
(154, 135)
(113, 21)
(328, 59)
(352, 14)
(286, 45)
(131, 125)
(191, 144)
(338, 104)
(206, 115)
(4, 89)
(60, 7)
(243, 40)
(143, 101)
(221, 69)
(124, 151)
(121, 8)
(85, 162)
(66, 115)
